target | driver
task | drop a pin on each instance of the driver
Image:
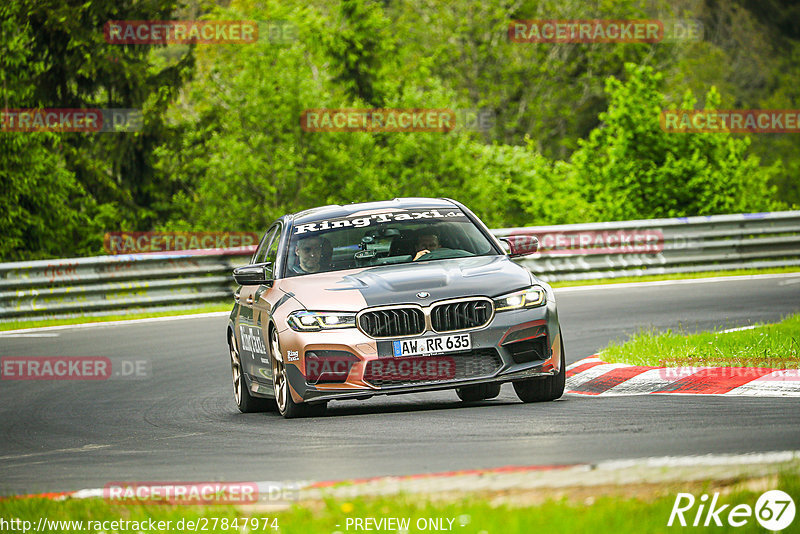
(426, 243)
(309, 255)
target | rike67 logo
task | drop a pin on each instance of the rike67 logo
(774, 510)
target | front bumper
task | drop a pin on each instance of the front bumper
(516, 345)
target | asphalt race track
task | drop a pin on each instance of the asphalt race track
(180, 422)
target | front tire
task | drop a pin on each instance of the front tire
(283, 397)
(544, 389)
(478, 393)
(241, 395)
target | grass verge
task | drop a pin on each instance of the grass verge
(618, 509)
(768, 345)
(207, 308)
(676, 276)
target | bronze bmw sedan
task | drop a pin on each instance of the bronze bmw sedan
(401, 296)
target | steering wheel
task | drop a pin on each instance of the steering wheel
(442, 253)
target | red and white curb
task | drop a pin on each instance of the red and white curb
(593, 376)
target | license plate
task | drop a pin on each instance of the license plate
(431, 345)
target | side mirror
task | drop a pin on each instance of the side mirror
(521, 245)
(253, 275)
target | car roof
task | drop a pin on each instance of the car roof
(335, 211)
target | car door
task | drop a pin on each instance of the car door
(252, 341)
(265, 299)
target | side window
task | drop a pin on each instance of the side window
(272, 251)
(269, 237)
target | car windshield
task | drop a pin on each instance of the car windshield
(381, 238)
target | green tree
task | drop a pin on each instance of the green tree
(44, 210)
(549, 92)
(244, 159)
(631, 168)
(70, 65)
(361, 44)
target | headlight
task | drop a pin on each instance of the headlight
(310, 321)
(527, 298)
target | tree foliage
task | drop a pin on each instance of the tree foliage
(54, 55)
(576, 136)
(629, 167)
(43, 208)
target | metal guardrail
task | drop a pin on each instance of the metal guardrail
(105, 284)
(676, 245)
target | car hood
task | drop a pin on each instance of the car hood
(355, 289)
